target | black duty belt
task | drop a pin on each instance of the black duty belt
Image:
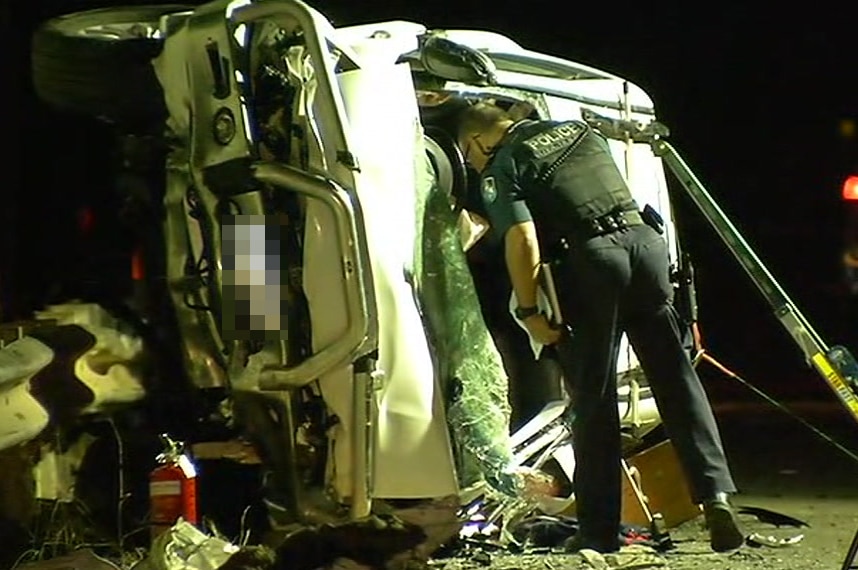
(607, 224)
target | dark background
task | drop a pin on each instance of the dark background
(753, 97)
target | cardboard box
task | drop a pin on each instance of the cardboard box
(662, 484)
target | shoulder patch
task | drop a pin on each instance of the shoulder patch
(490, 191)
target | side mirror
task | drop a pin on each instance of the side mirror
(455, 62)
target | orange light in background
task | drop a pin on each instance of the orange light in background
(847, 128)
(85, 220)
(850, 188)
(138, 271)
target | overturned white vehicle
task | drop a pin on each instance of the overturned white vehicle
(316, 260)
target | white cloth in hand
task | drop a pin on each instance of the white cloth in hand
(544, 306)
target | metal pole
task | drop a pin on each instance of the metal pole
(627, 115)
(634, 385)
(849, 562)
(807, 339)
(363, 437)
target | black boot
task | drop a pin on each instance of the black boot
(724, 531)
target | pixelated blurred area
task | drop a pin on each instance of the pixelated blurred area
(253, 282)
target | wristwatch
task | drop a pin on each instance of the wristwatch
(522, 313)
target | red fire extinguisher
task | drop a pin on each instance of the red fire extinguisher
(172, 488)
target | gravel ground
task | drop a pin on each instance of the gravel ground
(824, 545)
(779, 465)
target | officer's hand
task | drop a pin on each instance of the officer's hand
(541, 330)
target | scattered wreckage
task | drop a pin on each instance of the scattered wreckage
(303, 302)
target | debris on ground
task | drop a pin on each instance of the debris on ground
(251, 558)
(377, 541)
(634, 557)
(84, 559)
(184, 547)
(757, 539)
(771, 517)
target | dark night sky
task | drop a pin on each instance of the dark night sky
(752, 96)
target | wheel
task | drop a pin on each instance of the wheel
(99, 63)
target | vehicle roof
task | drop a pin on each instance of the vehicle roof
(517, 66)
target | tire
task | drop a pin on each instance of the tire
(111, 78)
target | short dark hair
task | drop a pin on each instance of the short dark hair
(479, 118)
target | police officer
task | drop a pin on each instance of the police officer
(553, 193)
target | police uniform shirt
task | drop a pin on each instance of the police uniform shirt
(558, 174)
(503, 197)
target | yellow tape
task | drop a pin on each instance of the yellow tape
(837, 383)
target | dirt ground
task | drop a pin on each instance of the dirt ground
(779, 465)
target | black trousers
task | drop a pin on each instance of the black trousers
(607, 285)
